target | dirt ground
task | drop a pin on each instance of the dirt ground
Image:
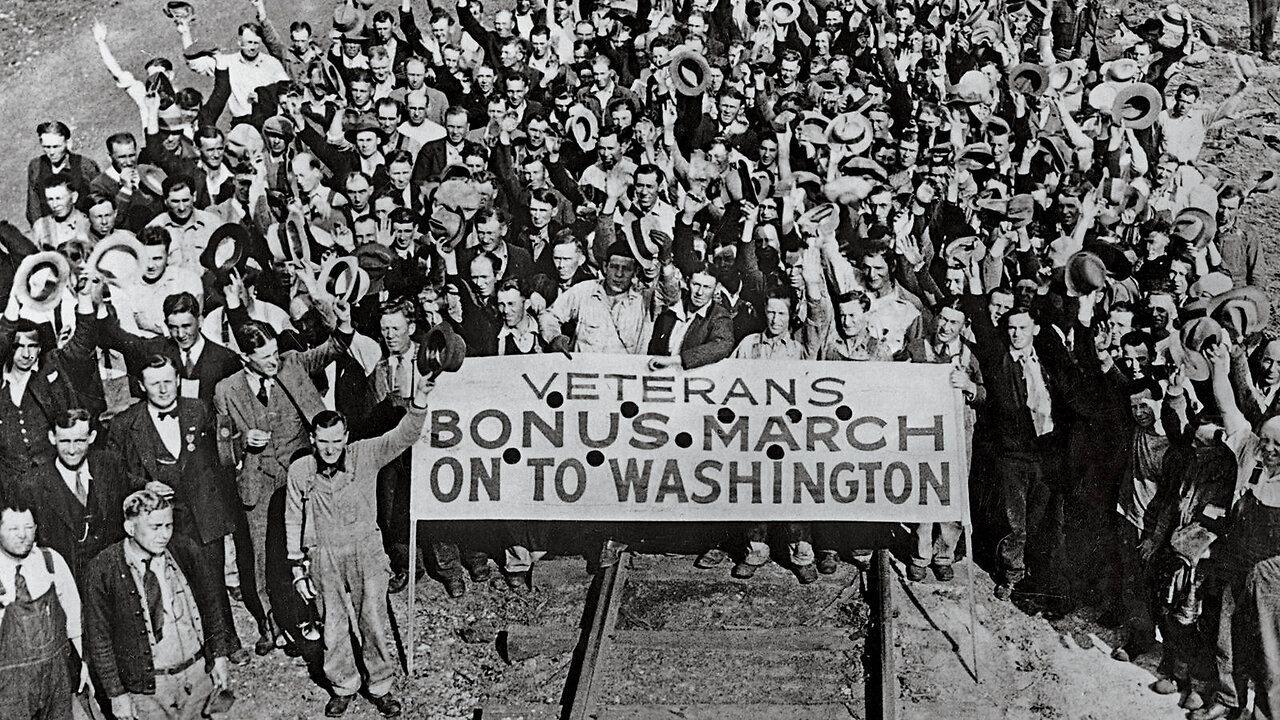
(1028, 667)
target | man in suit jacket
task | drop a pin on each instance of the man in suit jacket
(171, 440)
(695, 331)
(145, 649)
(437, 155)
(946, 346)
(78, 497)
(271, 433)
(201, 364)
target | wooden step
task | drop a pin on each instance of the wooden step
(526, 641)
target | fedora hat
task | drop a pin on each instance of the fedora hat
(812, 126)
(1137, 106)
(1121, 70)
(41, 280)
(851, 129)
(784, 12)
(584, 128)
(171, 121)
(441, 351)
(1195, 225)
(1118, 265)
(974, 87)
(1084, 273)
(1196, 336)
(820, 220)
(976, 156)
(1064, 74)
(1103, 96)
(690, 72)
(179, 9)
(279, 126)
(1029, 78)
(347, 18)
(193, 51)
(343, 278)
(226, 248)
(962, 252)
(118, 259)
(288, 239)
(1246, 310)
(365, 124)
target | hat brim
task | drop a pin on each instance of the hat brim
(682, 59)
(441, 351)
(117, 244)
(239, 237)
(32, 263)
(1139, 97)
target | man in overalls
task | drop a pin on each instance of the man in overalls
(331, 527)
(39, 613)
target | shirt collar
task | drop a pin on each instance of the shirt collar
(68, 474)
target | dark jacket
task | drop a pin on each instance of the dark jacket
(709, 338)
(115, 633)
(214, 364)
(205, 500)
(78, 532)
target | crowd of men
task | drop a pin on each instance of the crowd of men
(219, 342)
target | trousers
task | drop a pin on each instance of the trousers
(177, 697)
(937, 548)
(1028, 501)
(351, 584)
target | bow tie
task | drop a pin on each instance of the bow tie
(162, 416)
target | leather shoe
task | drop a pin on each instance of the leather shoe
(1164, 686)
(480, 573)
(455, 587)
(264, 645)
(711, 558)
(915, 573)
(1215, 711)
(239, 657)
(1191, 701)
(806, 573)
(1004, 591)
(518, 582)
(387, 705)
(337, 705)
(399, 581)
(944, 573)
(828, 562)
(743, 571)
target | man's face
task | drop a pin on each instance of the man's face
(402, 235)
(702, 288)
(361, 93)
(1136, 360)
(1140, 408)
(949, 324)
(330, 443)
(485, 79)
(482, 277)
(62, 200)
(17, 533)
(151, 531)
(539, 213)
(161, 386)
(489, 233)
(399, 173)
(358, 192)
(366, 143)
(250, 45)
(503, 23)
(538, 45)
(875, 272)
(646, 189)
(54, 147)
(102, 218)
(308, 177)
(1269, 365)
(415, 74)
(728, 108)
(351, 48)
(497, 110)
(777, 317)
(610, 150)
(26, 351)
(382, 29)
(416, 109)
(124, 155)
(155, 260)
(1021, 330)
(72, 444)
(851, 318)
(1269, 444)
(276, 144)
(180, 203)
(300, 41)
(567, 259)
(452, 59)
(768, 153)
(396, 331)
(266, 359)
(381, 68)
(1120, 323)
(455, 126)
(509, 55)
(511, 305)
(388, 119)
(516, 91)
(618, 273)
(184, 328)
(955, 281)
(1228, 210)
(365, 231)
(998, 305)
(536, 133)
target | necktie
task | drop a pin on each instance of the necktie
(82, 489)
(20, 592)
(155, 601)
(188, 365)
(263, 397)
(1038, 401)
(393, 372)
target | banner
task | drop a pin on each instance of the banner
(600, 437)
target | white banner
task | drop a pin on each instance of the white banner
(599, 437)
